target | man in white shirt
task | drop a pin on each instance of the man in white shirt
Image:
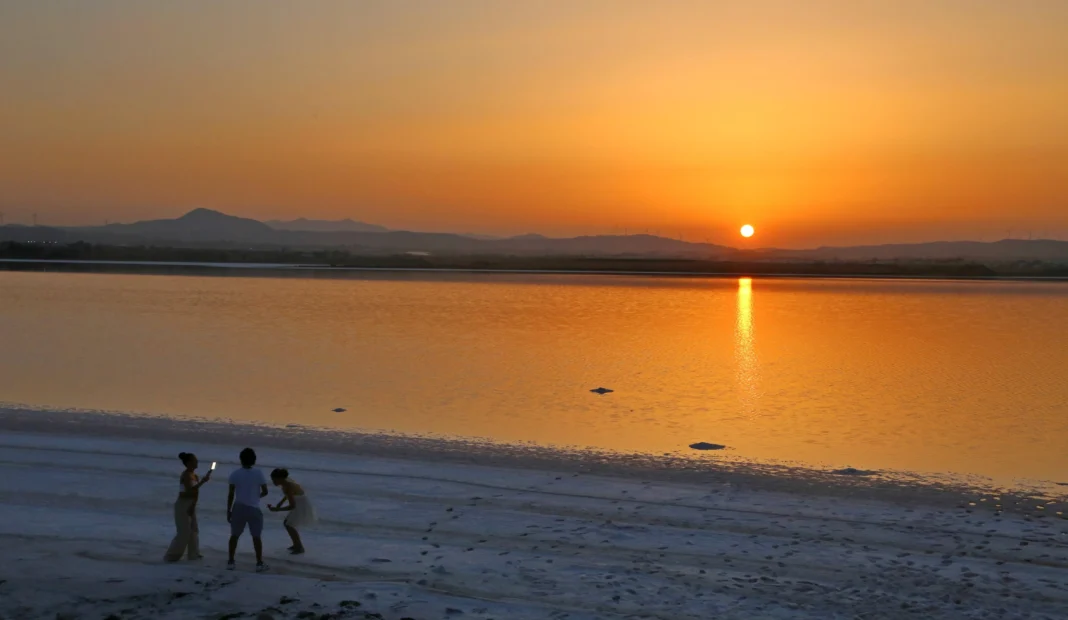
(247, 486)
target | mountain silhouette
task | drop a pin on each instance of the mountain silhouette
(205, 227)
(198, 225)
(306, 225)
(1006, 249)
(208, 228)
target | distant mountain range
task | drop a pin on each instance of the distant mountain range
(306, 225)
(199, 225)
(208, 228)
(1006, 249)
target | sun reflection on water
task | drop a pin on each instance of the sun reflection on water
(744, 348)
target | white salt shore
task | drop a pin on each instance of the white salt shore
(85, 521)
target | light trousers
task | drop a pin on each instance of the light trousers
(187, 540)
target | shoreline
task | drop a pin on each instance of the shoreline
(291, 269)
(699, 468)
(86, 515)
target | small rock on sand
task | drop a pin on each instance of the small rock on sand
(853, 471)
(338, 410)
(602, 391)
(704, 445)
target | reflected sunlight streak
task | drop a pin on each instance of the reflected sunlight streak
(744, 348)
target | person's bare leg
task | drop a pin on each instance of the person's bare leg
(233, 547)
(257, 544)
(295, 536)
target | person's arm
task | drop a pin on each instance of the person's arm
(230, 504)
(202, 482)
(288, 498)
(263, 484)
(188, 488)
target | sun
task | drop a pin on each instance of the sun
(747, 231)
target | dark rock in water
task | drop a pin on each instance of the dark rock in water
(602, 390)
(704, 445)
(339, 410)
(853, 471)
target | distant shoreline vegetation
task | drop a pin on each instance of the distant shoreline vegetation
(79, 256)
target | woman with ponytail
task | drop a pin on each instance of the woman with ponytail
(187, 540)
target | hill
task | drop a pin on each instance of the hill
(306, 225)
(1004, 250)
(198, 225)
(205, 228)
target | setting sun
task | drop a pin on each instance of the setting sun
(747, 231)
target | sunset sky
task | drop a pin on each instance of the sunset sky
(819, 122)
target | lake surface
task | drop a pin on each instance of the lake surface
(924, 376)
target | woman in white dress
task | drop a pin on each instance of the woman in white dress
(297, 504)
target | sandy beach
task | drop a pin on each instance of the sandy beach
(85, 519)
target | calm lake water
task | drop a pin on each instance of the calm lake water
(966, 377)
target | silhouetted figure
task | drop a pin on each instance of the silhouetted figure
(187, 540)
(300, 509)
(248, 486)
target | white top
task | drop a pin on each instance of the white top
(184, 487)
(247, 483)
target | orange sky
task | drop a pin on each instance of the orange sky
(848, 121)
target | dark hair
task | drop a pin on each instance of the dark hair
(248, 457)
(184, 457)
(280, 473)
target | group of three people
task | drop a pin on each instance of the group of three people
(248, 486)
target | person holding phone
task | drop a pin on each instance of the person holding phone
(187, 539)
(248, 486)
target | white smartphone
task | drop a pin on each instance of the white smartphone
(213, 466)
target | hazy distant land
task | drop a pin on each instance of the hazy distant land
(81, 256)
(203, 235)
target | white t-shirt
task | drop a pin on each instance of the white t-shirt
(247, 483)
